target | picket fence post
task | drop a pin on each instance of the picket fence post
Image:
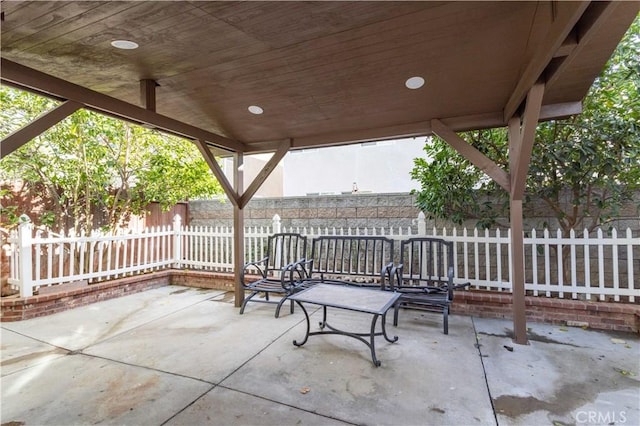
(177, 241)
(276, 224)
(422, 224)
(25, 231)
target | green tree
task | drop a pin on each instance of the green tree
(583, 168)
(91, 164)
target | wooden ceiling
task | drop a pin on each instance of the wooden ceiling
(325, 73)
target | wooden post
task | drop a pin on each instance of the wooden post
(517, 239)
(521, 139)
(517, 280)
(148, 94)
(238, 230)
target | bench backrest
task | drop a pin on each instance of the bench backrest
(283, 249)
(426, 262)
(364, 256)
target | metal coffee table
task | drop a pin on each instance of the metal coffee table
(374, 302)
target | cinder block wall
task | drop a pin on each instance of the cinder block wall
(349, 210)
(361, 210)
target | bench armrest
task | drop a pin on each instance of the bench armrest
(386, 276)
(260, 265)
(295, 273)
(395, 274)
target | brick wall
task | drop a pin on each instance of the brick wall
(598, 315)
(16, 308)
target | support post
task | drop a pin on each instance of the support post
(148, 94)
(517, 279)
(238, 231)
(521, 139)
(25, 275)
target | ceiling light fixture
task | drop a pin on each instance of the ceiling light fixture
(414, 83)
(255, 109)
(124, 44)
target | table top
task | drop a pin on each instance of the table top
(352, 298)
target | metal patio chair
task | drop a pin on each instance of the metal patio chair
(424, 277)
(276, 275)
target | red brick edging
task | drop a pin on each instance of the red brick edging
(596, 315)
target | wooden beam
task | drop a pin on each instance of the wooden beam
(568, 14)
(520, 168)
(470, 153)
(30, 79)
(586, 28)
(559, 111)
(514, 142)
(218, 173)
(148, 94)
(42, 123)
(567, 46)
(410, 130)
(264, 173)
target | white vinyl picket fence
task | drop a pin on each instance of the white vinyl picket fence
(600, 266)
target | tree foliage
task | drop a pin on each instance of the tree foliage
(583, 168)
(90, 164)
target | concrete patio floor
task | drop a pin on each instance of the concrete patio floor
(183, 356)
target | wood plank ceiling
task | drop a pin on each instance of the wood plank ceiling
(324, 72)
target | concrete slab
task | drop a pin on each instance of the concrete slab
(207, 341)
(564, 376)
(223, 406)
(182, 356)
(77, 389)
(425, 377)
(19, 352)
(86, 325)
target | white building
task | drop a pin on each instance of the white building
(369, 167)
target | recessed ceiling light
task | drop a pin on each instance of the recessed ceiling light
(124, 44)
(255, 109)
(414, 82)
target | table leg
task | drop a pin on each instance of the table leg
(372, 345)
(323, 323)
(306, 336)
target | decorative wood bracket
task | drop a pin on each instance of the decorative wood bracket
(44, 122)
(473, 155)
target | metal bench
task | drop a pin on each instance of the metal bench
(275, 270)
(364, 261)
(424, 277)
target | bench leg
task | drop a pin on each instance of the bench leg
(395, 314)
(445, 313)
(280, 303)
(246, 300)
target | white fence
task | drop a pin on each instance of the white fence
(603, 267)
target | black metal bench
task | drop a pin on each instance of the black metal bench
(364, 261)
(277, 275)
(424, 276)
